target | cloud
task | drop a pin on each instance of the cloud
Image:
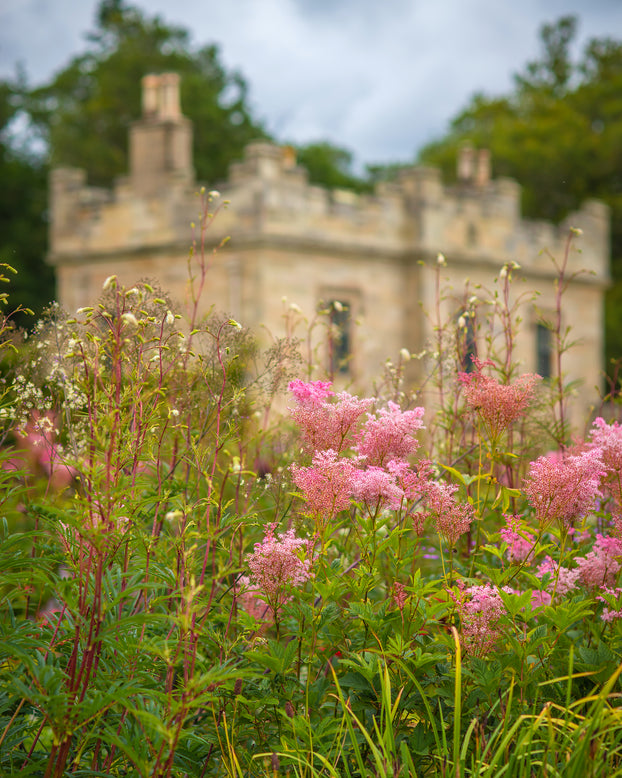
(380, 78)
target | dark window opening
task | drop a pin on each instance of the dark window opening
(472, 237)
(467, 344)
(339, 338)
(544, 351)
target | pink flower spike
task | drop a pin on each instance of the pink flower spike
(400, 596)
(480, 608)
(389, 434)
(608, 439)
(566, 578)
(452, 518)
(310, 391)
(326, 484)
(520, 541)
(564, 489)
(498, 405)
(326, 425)
(375, 486)
(277, 564)
(600, 567)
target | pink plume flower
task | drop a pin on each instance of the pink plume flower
(608, 438)
(480, 609)
(389, 434)
(498, 405)
(43, 453)
(566, 578)
(564, 488)
(400, 596)
(278, 564)
(326, 425)
(376, 487)
(600, 566)
(520, 541)
(250, 599)
(451, 518)
(612, 598)
(326, 484)
(540, 599)
(414, 483)
(310, 391)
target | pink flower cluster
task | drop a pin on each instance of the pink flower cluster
(565, 577)
(400, 595)
(564, 488)
(498, 405)
(277, 564)
(249, 597)
(451, 517)
(612, 598)
(608, 439)
(375, 471)
(600, 566)
(376, 486)
(389, 434)
(520, 541)
(40, 453)
(480, 609)
(325, 425)
(326, 484)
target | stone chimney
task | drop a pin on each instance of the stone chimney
(161, 141)
(482, 176)
(466, 164)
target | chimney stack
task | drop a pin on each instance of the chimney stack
(161, 141)
(483, 167)
(466, 163)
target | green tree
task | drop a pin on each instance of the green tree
(559, 132)
(330, 166)
(23, 228)
(84, 113)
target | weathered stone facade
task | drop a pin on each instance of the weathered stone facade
(376, 254)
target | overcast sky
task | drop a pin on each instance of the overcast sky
(380, 77)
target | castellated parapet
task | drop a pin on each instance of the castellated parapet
(375, 253)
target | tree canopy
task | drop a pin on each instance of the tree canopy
(559, 133)
(330, 166)
(85, 111)
(23, 202)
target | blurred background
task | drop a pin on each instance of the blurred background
(359, 89)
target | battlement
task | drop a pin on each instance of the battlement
(477, 219)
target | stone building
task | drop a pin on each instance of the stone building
(375, 255)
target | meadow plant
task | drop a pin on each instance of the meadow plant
(193, 585)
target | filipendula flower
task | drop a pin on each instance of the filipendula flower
(497, 405)
(326, 484)
(608, 438)
(389, 435)
(481, 609)
(520, 541)
(600, 567)
(278, 564)
(325, 424)
(564, 488)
